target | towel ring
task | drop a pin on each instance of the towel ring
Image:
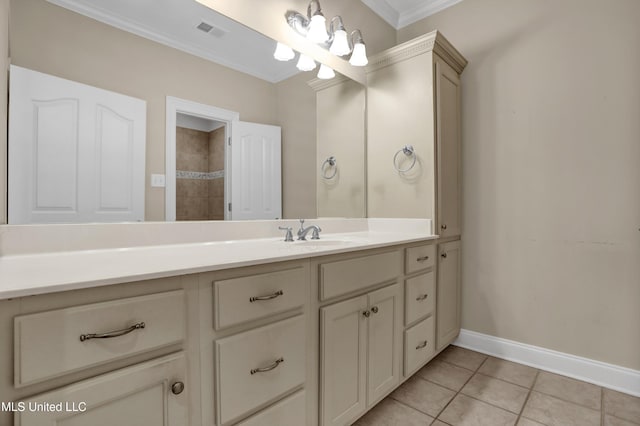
(332, 162)
(409, 152)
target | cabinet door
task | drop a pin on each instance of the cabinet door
(343, 361)
(384, 348)
(448, 293)
(133, 396)
(448, 149)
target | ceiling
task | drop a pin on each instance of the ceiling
(400, 13)
(175, 23)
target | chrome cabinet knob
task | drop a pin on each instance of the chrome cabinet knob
(177, 388)
(444, 255)
(367, 314)
(443, 226)
(374, 309)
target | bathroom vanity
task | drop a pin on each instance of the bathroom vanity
(237, 331)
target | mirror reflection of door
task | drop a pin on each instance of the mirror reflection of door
(200, 171)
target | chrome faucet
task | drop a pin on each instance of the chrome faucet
(302, 232)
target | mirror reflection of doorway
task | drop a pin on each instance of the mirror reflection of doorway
(200, 168)
(213, 159)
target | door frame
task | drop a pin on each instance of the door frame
(196, 109)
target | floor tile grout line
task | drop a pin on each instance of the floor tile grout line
(528, 396)
(460, 390)
(601, 406)
(409, 406)
(503, 381)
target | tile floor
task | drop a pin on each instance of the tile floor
(466, 388)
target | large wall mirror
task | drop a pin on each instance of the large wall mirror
(187, 51)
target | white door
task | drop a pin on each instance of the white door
(76, 152)
(385, 346)
(256, 189)
(343, 361)
(143, 394)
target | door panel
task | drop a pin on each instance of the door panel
(256, 187)
(448, 293)
(132, 396)
(76, 152)
(343, 362)
(385, 328)
(448, 147)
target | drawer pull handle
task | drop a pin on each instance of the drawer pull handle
(111, 334)
(422, 259)
(374, 309)
(275, 364)
(423, 344)
(267, 297)
(422, 297)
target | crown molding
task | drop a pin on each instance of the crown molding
(430, 42)
(318, 84)
(424, 9)
(139, 30)
(401, 18)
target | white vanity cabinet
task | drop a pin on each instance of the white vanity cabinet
(360, 339)
(253, 338)
(86, 358)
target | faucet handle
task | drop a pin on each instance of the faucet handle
(301, 223)
(316, 233)
(289, 236)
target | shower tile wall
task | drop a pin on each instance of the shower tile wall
(192, 154)
(216, 162)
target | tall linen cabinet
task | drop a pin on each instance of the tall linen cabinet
(413, 153)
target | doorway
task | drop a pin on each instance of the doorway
(215, 161)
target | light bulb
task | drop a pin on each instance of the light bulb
(340, 45)
(359, 56)
(305, 63)
(283, 52)
(325, 72)
(317, 29)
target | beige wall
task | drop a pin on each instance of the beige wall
(551, 160)
(51, 39)
(296, 110)
(4, 63)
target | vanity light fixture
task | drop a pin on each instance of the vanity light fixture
(305, 63)
(283, 52)
(325, 72)
(359, 54)
(317, 29)
(340, 44)
(313, 27)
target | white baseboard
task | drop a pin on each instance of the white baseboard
(599, 373)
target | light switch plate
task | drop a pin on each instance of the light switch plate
(157, 181)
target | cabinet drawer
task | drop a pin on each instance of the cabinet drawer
(418, 258)
(49, 344)
(247, 298)
(346, 276)
(291, 411)
(420, 296)
(419, 345)
(241, 387)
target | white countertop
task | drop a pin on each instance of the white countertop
(28, 273)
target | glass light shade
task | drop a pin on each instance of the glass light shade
(317, 29)
(325, 72)
(359, 56)
(305, 63)
(283, 52)
(340, 45)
